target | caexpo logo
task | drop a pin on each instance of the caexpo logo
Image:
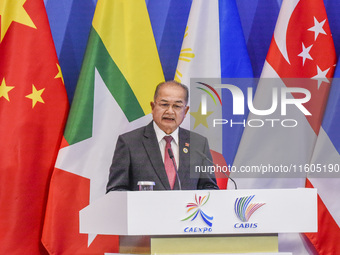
(244, 210)
(281, 97)
(196, 212)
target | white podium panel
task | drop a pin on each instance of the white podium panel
(208, 212)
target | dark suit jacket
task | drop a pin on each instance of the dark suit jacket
(137, 157)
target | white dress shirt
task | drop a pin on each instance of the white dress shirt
(161, 142)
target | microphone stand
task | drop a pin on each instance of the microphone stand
(171, 155)
(208, 159)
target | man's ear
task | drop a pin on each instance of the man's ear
(186, 110)
(152, 105)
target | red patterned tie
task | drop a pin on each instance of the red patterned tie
(169, 166)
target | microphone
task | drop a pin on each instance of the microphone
(206, 158)
(171, 155)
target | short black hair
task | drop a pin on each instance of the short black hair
(176, 83)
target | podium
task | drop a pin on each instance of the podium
(201, 221)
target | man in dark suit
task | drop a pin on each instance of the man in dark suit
(143, 154)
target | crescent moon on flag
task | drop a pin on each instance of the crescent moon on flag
(282, 26)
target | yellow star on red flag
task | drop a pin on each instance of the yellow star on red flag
(59, 74)
(5, 89)
(13, 11)
(36, 96)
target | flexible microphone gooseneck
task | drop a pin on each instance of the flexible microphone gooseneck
(171, 155)
(208, 159)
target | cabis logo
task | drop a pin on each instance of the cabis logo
(196, 212)
(244, 210)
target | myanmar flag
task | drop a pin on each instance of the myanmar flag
(33, 110)
(120, 71)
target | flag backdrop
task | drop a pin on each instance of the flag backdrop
(33, 111)
(70, 22)
(326, 153)
(120, 71)
(168, 20)
(302, 47)
(72, 19)
(214, 47)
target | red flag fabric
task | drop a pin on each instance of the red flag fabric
(318, 61)
(326, 240)
(33, 110)
(306, 50)
(221, 179)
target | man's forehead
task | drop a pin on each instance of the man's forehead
(168, 101)
(172, 93)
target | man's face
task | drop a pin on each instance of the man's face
(169, 108)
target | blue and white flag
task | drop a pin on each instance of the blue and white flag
(214, 47)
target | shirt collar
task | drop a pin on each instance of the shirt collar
(160, 133)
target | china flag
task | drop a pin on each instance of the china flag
(33, 110)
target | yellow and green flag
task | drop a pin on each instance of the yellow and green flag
(120, 71)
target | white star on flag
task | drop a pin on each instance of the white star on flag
(94, 155)
(317, 29)
(321, 76)
(305, 53)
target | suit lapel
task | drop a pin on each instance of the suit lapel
(152, 148)
(184, 154)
